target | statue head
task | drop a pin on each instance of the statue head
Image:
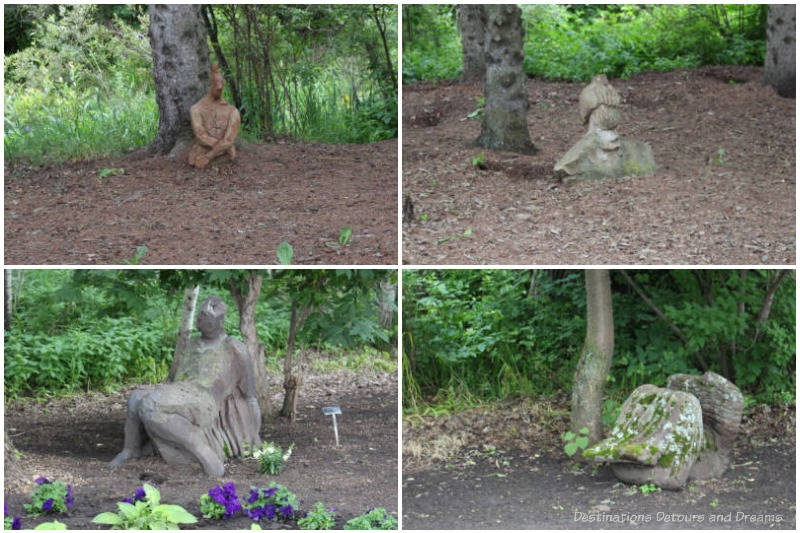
(211, 318)
(217, 83)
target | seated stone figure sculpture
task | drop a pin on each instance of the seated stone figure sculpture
(215, 124)
(208, 412)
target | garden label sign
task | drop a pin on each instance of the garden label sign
(333, 411)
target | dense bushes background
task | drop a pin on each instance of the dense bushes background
(477, 335)
(575, 42)
(82, 329)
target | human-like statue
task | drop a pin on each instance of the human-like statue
(602, 152)
(215, 124)
(209, 412)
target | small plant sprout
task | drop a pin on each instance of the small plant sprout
(285, 253)
(345, 236)
(574, 442)
(318, 518)
(714, 503)
(647, 488)
(106, 172)
(50, 497)
(373, 519)
(479, 161)
(141, 251)
(719, 157)
(480, 104)
(148, 513)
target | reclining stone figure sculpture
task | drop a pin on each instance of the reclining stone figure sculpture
(209, 412)
(667, 436)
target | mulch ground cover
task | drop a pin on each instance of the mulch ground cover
(504, 468)
(723, 192)
(72, 439)
(233, 212)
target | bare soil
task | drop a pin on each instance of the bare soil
(73, 439)
(233, 212)
(723, 193)
(503, 467)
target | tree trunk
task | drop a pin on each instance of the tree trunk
(291, 382)
(376, 16)
(505, 124)
(8, 294)
(472, 23)
(211, 25)
(179, 42)
(246, 304)
(595, 361)
(779, 61)
(184, 328)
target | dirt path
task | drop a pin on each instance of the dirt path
(230, 213)
(545, 493)
(724, 191)
(73, 439)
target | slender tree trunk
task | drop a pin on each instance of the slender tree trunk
(382, 29)
(472, 23)
(505, 123)
(246, 304)
(766, 306)
(9, 298)
(211, 26)
(184, 328)
(292, 381)
(595, 361)
(781, 56)
(178, 39)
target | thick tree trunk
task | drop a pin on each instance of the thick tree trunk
(505, 123)
(184, 328)
(472, 23)
(246, 304)
(8, 298)
(179, 42)
(595, 361)
(779, 61)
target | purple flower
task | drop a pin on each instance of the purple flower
(139, 494)
(231, 508)
(253, 496)
(127, 500)
(216, 495)
(48, 504)
(5, 509)
(16, 523)
(42, 480)
(69, 499)
(229, 488)
(269, 493)
(287, 511)
(269, 511)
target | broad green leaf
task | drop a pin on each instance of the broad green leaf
(151, 494)
(582, 442)
(570, 448)
(584, 431)
(568, 435)
(107, 518)
(285, 253)
(52, 526)
(126, 510)
(176, 513)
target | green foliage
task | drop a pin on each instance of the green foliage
(146, 514)
(377, 518)
(575, 42)
(273, 502)
(52, 526)
(479, 161)
(106, 172)
(49, 497)
(647, 488)
(141, 251)
(574, 442)
(472, 336)
(285, 253)
(317, 518)
(271, 458)
(345, 235)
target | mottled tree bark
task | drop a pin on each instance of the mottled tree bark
(779, 61)
(472, 23)
(246, 304)
(179, 42)
(184, 328)
(505, 124)
(595, 361)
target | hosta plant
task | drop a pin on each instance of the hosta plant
(318, 518)
(148, 513)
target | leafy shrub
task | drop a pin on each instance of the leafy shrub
(318, 518)
(273, 503)
(50, 497)
(146, 514)
(271, 458)
(377, 518)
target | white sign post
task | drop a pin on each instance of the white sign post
(333, 411)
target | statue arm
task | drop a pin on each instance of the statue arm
(199, 130)
(230, 135)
